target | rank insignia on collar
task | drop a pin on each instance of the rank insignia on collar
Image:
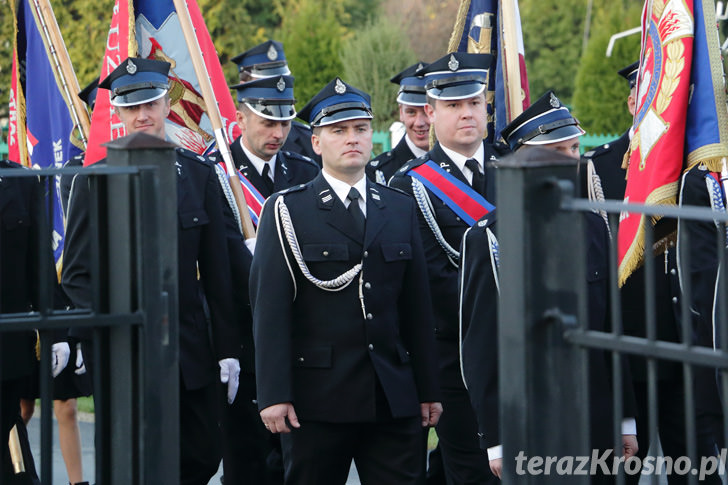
(340, 88)
(554, 101)
(326, 198)
(131, 68)
(453, 64)
(272, 53)
(281, 85)
(376, 196)
(179, 168)
(483, 223)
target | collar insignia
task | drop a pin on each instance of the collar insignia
(453, 64)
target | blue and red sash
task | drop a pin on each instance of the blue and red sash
(253, 198)
(465, 201)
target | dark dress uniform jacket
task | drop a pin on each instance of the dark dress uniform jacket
(201, 240)
(443, 275)
(20, 248)
(299, 141)
(325, 351)
(291, 169)
(479, 296)
(607, 160)
(389, 162)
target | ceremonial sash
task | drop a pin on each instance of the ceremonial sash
(253, 198)
(465, 201)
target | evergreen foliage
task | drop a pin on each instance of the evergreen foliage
(600, 98)
(370, 58)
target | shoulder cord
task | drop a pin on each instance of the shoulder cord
(285, 229)
(425, 205)
(494, 256)
(596, 194)
(225, 184)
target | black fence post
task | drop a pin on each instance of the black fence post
(142, 261)
(543, 380)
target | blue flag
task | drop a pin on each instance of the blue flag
(49, 127)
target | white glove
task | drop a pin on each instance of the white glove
(59, 357)
(230, 375)
(250, 244)
(80, 365)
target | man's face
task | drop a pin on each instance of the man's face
(146, 117)
(345, 147)
(262, 136)
(416, 124)
(570, 148)
(460, 123)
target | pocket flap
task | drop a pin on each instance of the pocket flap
(396, 251)
(325, 252)
(193, 218)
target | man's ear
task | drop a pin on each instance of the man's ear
(240, 118)
(430, 112)
(316, 144)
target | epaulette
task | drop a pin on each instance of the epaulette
(394, 189)
(301, 125)
(598, 151)
(190, 155)
(487, 220)
(382, 158)
(415, 162)
(295, 188)
(298, 156)
(8, 164)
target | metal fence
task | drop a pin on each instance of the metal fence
(543, 333)
(133, 319)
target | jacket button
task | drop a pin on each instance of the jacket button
(368, 285)
(674, 299)
(325, 253)
(366, 254)
(195, 219)
(369, 316)
(371, 346)
(457, 219)
(401, 253)
(673, 271)
(300, 359)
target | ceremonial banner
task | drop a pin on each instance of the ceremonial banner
(151, 29)
(479, 29)
(42, 133)
(681, 113)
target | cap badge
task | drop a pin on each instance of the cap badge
(554, 101)
(340, 87)
(281, 85)
(131, 68)
(453, 64)
(272, 53)
(420, 66)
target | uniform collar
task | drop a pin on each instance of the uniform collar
(258, 162)
(341, 189)
(416, 151)
(459, 159)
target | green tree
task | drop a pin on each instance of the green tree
(552, 37)
(600, 98)
(370, 58)
(312, 33)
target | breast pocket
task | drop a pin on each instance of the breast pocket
(193, 219)
(396, 252)
(317, 253)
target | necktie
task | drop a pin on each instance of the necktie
(267, 180)
(478, 179)
(355, 210)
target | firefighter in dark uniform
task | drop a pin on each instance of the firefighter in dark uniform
(703, 185)
(208, 352)
(266, 108)
(344, 358)
(608, 162)
(416, 140)
(456, 107)
(265, 111)
(549, 125)
(20, 249)
(269, 60)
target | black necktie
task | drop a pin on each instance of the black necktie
(267, 180)
(355, 210)
(478, 179)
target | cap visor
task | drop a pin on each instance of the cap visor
(140, 96)
(461, 91)
(275, 112)
(345, 115)
(560, 134)
(412, 99)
